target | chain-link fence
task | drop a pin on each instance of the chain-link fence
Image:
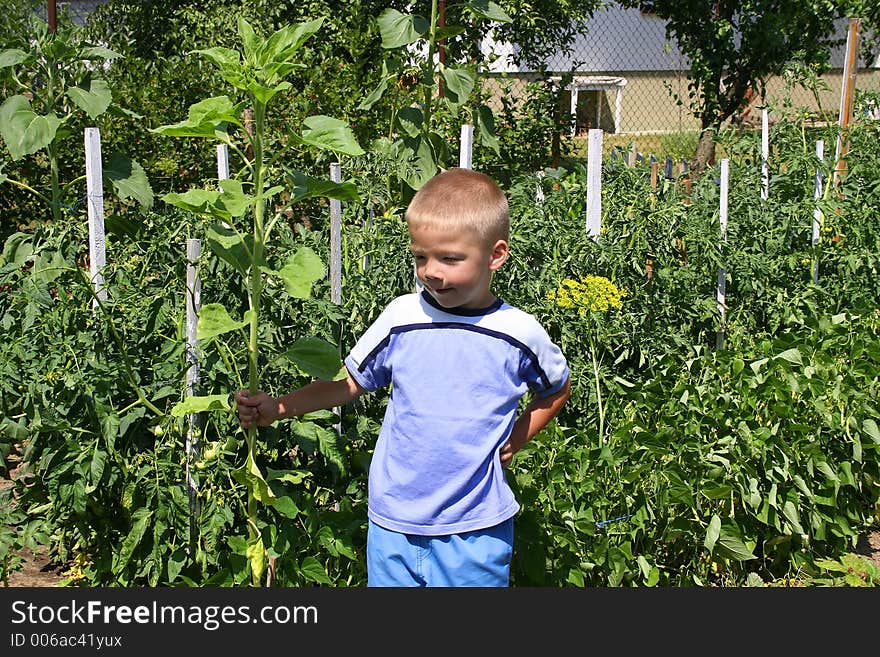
(624, 76)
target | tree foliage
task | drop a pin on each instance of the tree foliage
(735, 46)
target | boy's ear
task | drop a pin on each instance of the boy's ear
(499, 254)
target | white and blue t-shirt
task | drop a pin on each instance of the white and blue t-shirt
(456, 378)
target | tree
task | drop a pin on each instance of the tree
(734, 46)
(539, 28)
(869, 12)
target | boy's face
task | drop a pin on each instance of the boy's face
(456, 267)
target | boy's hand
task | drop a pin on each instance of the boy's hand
(506, 454)
(258, 409)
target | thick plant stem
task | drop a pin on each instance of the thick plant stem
(429, 71)
(598, 397)
(255, 291)
(52, 148)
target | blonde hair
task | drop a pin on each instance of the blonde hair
(462, 199)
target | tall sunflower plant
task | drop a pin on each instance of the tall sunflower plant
(241, 225)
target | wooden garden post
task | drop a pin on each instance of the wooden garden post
(336, 256)
(594, 183)
(817, 212)
(95, 195)
(721, 292)
(847, 94)
(765, 155)
(466, 154)
(193, 434)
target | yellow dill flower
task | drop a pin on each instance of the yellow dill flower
(590, 294)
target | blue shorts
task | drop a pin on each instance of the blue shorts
(477, 558)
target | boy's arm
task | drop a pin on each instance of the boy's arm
(535, 417)
(262, 410)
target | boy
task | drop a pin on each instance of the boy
(458, 360)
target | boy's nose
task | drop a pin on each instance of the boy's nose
(432, 271)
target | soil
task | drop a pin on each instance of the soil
(38, 570)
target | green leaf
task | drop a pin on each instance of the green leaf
(789, 512)
(99, 52)
(222, 205)
(176, 562)
(225, 59)
(330, 134)
(96, 469)
(290, 476)
(215, 320)
(232, 197)
(312, 570)
(207, 118)
(713, 531)
(792, 356)
(448, 32)
(484, 124)
(300, 271)
(375, 94)
(16, 431)
(275, 55)
(249, 475)
(12, 57)
(129, 179)
(256, 554)
(141, 519)
(316, 358)
(410, 120)
(286, 506)
(416, 163)
(758, 364)
(250, 41)
(93, 99)
(731, 545)
(459, 84)
(331, 448)
(304, 186)
(198, 404)
(869, 426)
(24, 131)
(399, 29)
(489, 10)
(230, 247)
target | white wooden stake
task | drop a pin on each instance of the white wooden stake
(222, 161)
(336, 239)
(466, 156)
(594, 183)
(336, 256)
(193, 305)
(721, 293)
(765, 154)
(817, 212)
(95, 195)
